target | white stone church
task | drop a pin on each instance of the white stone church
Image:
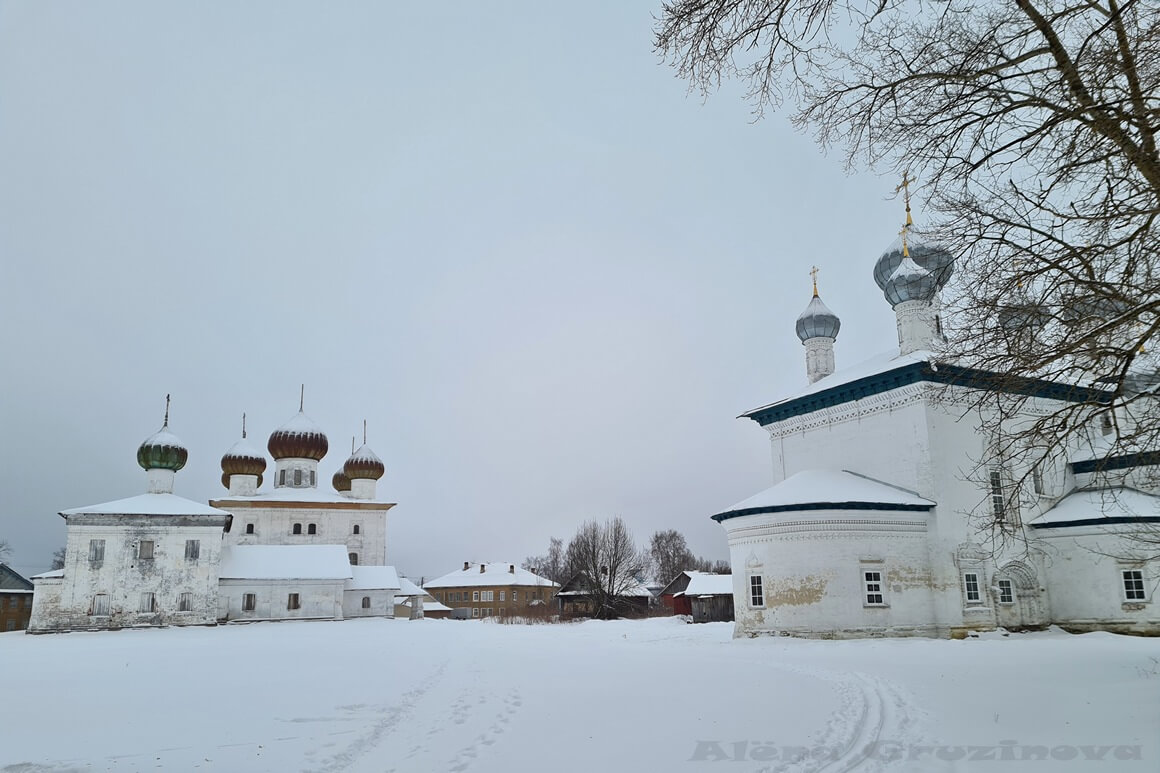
(867, 529)
(293, 551)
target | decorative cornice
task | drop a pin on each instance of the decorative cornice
(1124, 462)
(917, 372)
(1101, 521)
(895, 507)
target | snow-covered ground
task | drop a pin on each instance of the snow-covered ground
(655, 695)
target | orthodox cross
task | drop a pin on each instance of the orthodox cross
(814, 275)
(904, 186)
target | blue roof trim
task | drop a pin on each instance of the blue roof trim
(1098, 521)
(915, 372)
(1117, 462)
(719, 517)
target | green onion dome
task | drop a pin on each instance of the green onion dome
(299, 438)
(162, 451)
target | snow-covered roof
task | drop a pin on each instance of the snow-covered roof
(373, 578)
(830, 490)
(148, 504)
(1092, 506)
(435, 606)
(48, 575)
(498, 573)
(881, 363)
(408, 588)
(289, 562)
(702, 584)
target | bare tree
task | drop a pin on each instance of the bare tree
(5, 549)
(1031, 128)
(669, 555)
(550, 565)
(606, 557)
(58, 558)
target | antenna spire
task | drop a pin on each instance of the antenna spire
(301, 397)
(166, 422)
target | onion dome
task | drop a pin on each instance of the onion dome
(364, 464)
(937, 260)
(242, 459)
(1021, 314)
(909, 282)
(162, 450)
(817, 321)
(340, 481)
(299, 438)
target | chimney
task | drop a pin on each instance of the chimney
(466, 565)
(511, 568)
(482, 568)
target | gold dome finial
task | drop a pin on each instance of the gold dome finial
(814, 276)
(904, 186)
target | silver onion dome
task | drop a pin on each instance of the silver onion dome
(817, 321)
(910, 282)
(935, 259)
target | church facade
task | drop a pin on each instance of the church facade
(867, 530)
(293, 551)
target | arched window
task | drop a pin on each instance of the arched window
(249, 528)
(366, 602)
(281, 477)
(312, 529)
(356, 528)
(297, 528)
(298, 477)
(353, 559)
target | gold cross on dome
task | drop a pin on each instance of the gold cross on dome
(904, 186)
(814, 276)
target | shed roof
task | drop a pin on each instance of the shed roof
(289, 562)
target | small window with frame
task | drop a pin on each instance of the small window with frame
(971, 588)
(874, 594)
(1006, 591)
(249, 602)
(96, 551)
(756, 591)
(293, 601)
(1134, 585)
(185, 602)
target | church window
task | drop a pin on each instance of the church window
(293, 602)
(192, 549)
(148, 603)
(249, 601)
(366, 602)
(475, 595)
(145, 549)
(872, 583)
(971, 587)
(312, 528)
(100, 606)
(998, 498)
(312, 479)
(281, 477)
(185, 602)
(756, 591)
(1037, 480)
(353, 559)
(1006, 592)
(355, 529)
(249, 528)
(298, 477)
(96, 550)
(297, 528)
(1134, 585)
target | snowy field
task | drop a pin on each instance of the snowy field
(598, 697)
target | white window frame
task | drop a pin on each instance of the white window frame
(972, 588)
(475, 595)
(1132, 586)
(475, 611)
(503, 595)
(873, 587)
(514, 592)
(996, 491)
(756, 591)
(1006, 590)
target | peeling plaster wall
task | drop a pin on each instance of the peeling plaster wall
(275, 526)
(123, 577)
(318, 599)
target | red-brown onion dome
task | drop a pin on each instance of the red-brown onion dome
(162, 451)
(299, 438)
(243, 459)
(226, 480)
(364, 464)
(340, 481)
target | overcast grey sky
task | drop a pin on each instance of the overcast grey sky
(503, 233)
